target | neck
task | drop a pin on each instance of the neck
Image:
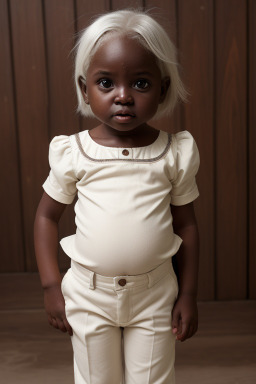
(108, 131)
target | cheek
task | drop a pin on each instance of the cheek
(100, 105)
(97, 99)
(149, 104)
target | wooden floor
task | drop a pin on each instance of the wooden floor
(222, 352)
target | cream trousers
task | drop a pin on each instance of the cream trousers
(121, 325)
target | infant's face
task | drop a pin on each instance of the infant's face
(123, 85)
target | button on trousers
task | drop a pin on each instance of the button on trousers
(121, 325)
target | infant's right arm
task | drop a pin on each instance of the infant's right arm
(48, 215)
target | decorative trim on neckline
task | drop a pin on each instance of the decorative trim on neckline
(166, 149)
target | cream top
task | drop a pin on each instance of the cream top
(123, 216)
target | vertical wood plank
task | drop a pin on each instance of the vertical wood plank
(62, 117)
(60, 33)
(121, 4)
(12, 252)
(196, 46)
(231, 177)
(86, 13)
(252, 153)
(164, 12)
(31, 96)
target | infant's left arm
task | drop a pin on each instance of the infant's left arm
(184, 314)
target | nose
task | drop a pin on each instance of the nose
(123, 96)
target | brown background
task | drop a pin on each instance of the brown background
(217, 52)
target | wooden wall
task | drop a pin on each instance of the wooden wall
(216, 45)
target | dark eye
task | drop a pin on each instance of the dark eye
(141, 84)
(105, 83)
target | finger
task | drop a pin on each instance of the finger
(50, 320)
(179, 327)
(190, 332)
(194, 329)
(68, 327)
(54, 323)
(61, 326)
(178, 330)
(184, 332)
(175, 321)
(174, 330)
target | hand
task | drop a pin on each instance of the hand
(184, 317)
(55, 308)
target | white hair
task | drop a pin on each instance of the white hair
(149, 33)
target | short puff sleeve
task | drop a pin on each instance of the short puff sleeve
(61, 182)
(186, 164)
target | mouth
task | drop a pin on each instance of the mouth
(123, 115)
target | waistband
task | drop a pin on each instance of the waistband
(123, 281)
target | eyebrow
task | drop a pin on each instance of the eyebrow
(143, 73)
(107, 73)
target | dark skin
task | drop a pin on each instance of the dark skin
(185, 313)
(127, 81)
(47, 218)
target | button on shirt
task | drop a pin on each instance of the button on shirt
(125, 152)
(123, 216)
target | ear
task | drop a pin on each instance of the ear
(82, 85)
(166, 82)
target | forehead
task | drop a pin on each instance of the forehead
(125, 53)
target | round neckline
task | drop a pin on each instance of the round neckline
(119, 148)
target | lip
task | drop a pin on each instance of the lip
(123, 116)
(123, 119)
(124, 113)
